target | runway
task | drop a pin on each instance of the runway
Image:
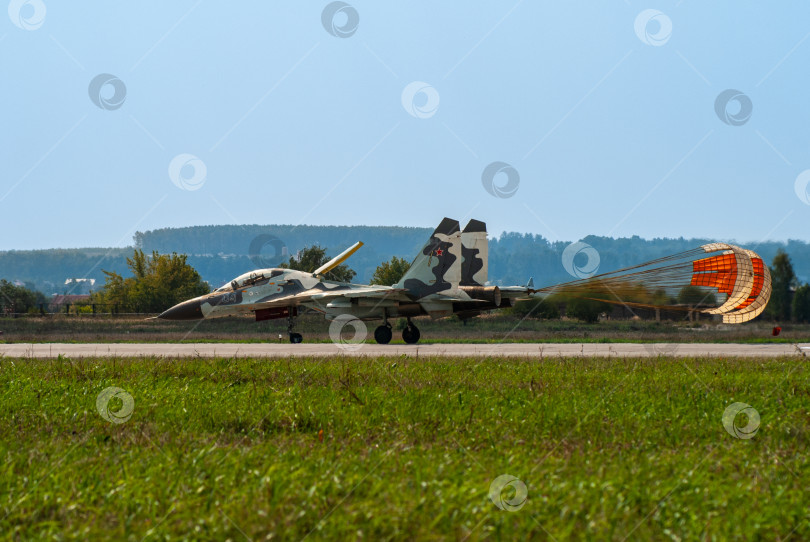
(286, 350)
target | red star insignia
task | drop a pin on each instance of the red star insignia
(439, 252)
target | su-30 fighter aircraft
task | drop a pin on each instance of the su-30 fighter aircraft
(449, 276)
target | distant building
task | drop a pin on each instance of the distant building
(79, 286)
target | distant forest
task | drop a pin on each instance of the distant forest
(220, 253)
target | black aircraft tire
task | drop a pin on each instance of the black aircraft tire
(383, 334)
(296, 338)
(411, 334)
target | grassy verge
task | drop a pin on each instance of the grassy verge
(395, 448)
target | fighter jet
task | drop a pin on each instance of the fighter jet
(448, 276)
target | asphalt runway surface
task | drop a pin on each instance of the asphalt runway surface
(285, 350)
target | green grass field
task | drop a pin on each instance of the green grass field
(398, 448)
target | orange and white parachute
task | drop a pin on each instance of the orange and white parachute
(741, 275)
(716, 278)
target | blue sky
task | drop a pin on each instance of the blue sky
(609, 130)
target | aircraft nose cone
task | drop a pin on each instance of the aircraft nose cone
(187, 310)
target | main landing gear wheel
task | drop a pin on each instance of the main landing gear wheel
(410, 334)
(383, 334)
(295, 338)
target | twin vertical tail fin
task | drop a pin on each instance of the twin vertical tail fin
(437, 267)
(474, 254)
(449, 259)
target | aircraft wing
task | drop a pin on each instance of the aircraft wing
(318, 296)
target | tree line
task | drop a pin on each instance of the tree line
(159, 281)
(219, 253)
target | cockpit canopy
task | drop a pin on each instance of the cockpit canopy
(250, 279)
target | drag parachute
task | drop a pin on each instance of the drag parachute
(716, 278)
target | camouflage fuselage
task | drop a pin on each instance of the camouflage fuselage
(264, 289)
